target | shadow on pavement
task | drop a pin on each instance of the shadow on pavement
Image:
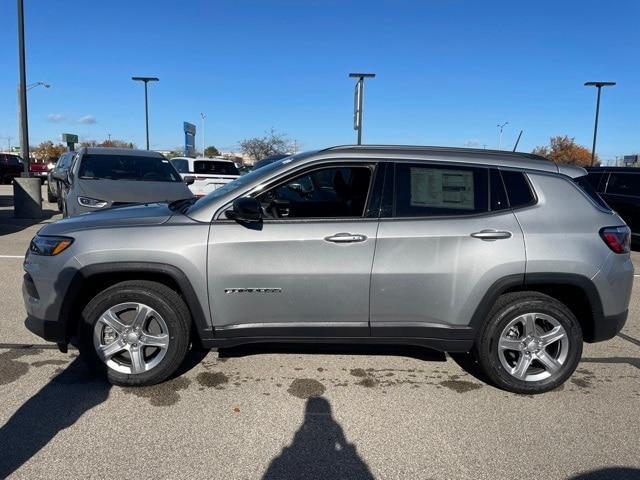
(9, 224)
(418, 353)
(614, 473)
(58, 405)
(319, 450)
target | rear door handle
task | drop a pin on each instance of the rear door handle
(346, 238)
(491, 235)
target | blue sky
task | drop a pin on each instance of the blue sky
(447, 71)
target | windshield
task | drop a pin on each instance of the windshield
(127, 167)
(215, 167)
(238, 183)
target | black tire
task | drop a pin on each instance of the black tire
(160, 298)
(51, 198)
(509, 307)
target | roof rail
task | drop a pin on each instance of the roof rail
(421, 148)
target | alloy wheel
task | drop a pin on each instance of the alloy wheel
(131, 338)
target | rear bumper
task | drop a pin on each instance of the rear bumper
(48, 330)
(608, 327)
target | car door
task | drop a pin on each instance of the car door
(305, 269)
(446, 236)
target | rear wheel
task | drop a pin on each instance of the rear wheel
(531, 343)
(136, 332)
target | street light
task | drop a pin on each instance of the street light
(37, 84)
(599, 86)
(501, 127)
(358, 100)
(146, 103)
(204, 117)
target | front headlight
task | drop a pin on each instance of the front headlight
(91, 202)
(49, 246)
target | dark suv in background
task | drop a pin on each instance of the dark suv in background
(620, 188)
(11, 166)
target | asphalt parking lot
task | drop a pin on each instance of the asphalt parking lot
(315, 412)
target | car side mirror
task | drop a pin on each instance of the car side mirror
(189, 179)
(245, 210)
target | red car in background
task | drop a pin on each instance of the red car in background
(40, 169)
(11, 166)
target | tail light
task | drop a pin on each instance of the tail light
(617, 239)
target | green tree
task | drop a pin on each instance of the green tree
(48, 151)
(211, 151)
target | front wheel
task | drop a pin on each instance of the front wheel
(530, 344)
(136, 332)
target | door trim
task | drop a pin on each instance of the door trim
(294, 329)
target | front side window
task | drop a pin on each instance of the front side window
(430, 190)
(127, 167)
(13, 160)
(335, 192)
(624, 184)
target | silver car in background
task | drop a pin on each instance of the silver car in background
(506, 255)
(100, 178)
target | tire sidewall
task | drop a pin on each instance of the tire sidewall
(177, 326)
(489, 345)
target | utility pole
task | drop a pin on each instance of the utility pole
(146, 103)
(22, 92)
(358, 101)
(204, 118)
(599, 86)
(501, 127)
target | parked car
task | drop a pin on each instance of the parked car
(11, 166)
(100, 178)
(506, 255)
(208, 174)
(269, 160)
(55, 187)
(620, 188)
(40, 170)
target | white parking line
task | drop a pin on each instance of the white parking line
(11, 256)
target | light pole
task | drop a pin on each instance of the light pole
(501, 127)
(27, 88)
(146, 103)
(358, 101)
(204, 117)
(599, 86)
(37, 84)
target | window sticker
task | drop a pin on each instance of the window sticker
(439, 188)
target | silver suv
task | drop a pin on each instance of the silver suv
(507, 255)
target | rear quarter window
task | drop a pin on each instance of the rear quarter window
(518, 189)
(586, 186)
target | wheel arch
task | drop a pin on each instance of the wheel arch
(91, 279)
(576, 291)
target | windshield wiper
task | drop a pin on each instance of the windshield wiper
(182, 205)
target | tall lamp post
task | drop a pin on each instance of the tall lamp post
(501, 127)
(146, 102)
(358, 101)
(204, 117)
(599, 86)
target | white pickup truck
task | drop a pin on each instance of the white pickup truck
(208, 173)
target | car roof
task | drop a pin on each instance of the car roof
(119, 151)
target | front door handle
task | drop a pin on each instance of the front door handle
(491, 235)
(346, 238)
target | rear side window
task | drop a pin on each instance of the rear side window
(587, 187)
(182, 166)
(518, 189)
(429, 190)
(498, 195)
(624, 184)
(215, 168)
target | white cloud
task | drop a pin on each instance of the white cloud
(472, 143)
(87, 120)
(56, 117)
